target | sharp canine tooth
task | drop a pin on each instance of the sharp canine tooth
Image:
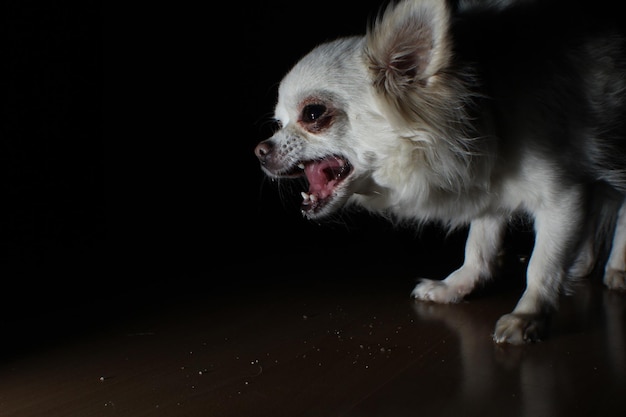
(301, 165)
(304, 195)
(313, 198)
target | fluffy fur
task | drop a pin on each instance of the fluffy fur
(469, 113)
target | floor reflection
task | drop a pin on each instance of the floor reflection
(572, 373)
(347, 351)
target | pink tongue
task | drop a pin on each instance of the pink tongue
(320, 175)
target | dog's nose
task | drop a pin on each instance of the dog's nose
(262, 150)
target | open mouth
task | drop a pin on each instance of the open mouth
(324, 176)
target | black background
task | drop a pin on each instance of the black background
(53, 222)
(127, 156)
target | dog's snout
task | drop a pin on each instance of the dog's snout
(262, 150)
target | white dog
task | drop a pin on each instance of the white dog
(471, 113)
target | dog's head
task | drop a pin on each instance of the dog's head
(353, 111)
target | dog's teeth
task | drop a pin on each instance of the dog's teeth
(301, 165)
(308, 198)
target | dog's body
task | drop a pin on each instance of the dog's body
(469, 114)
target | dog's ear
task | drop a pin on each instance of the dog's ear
(407, 45)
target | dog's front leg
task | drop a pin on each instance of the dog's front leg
(481, 251)
(557, 235)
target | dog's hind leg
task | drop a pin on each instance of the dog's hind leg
(481, 252)
(596, 238)
(615, 271)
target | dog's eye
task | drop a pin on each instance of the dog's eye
(312, 112)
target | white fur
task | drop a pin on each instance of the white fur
(427, 139)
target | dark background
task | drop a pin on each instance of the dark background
(128, 166)
(53, 222)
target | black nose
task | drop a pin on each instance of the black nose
(262, 150)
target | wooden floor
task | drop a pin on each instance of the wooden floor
(351, 344)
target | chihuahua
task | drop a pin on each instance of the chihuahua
(470, 113)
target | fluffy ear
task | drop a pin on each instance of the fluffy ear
(407, 44)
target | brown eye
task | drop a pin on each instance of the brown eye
(312, 112)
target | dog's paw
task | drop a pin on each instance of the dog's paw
(436, 291)
(518, 329)
(615, 279)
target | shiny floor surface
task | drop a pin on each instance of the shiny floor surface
(344, 346)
